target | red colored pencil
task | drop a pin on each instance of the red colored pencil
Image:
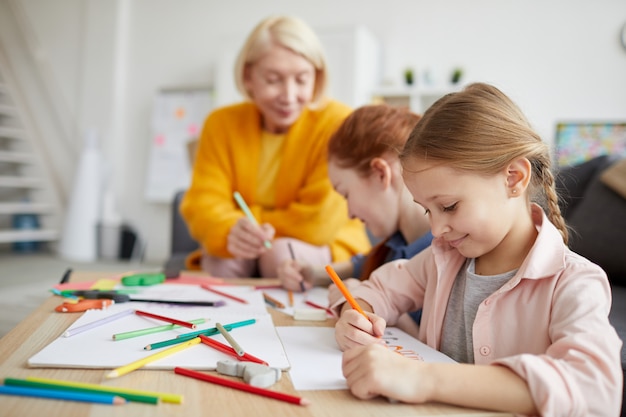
(312, 304)
(166, 319)
(229, 350)
(223, 294)
(241, 386)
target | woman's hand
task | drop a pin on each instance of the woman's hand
(293, 275)
(246, 240)
(353, 330)
(375, 370)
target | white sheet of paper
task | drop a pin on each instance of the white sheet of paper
(316, 359)
(95, 348)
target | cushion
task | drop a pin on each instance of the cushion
(598, 222)
(615, 177)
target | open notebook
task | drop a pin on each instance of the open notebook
(97, 349)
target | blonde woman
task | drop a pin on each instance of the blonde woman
(272, 150)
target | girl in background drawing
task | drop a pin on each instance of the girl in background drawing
(525, 317)
(272, 150)
(363, 167)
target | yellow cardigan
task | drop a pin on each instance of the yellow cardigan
(307, 208)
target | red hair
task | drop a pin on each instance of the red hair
(369, 132)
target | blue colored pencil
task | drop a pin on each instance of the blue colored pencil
(244, 207)
(61, 395)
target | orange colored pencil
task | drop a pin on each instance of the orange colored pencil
(166, 319)
(223, 294)
(271, 300)
(339, 283)
(241, 386)
(290, 295)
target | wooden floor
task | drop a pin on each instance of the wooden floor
(25, 280)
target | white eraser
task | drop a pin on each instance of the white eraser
(312, 314)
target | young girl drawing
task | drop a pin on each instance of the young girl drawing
(364, 168)
(525, 317)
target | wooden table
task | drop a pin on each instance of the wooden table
(200, 398)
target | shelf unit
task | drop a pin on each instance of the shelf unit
(417, 98)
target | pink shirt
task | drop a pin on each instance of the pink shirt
(548, 324)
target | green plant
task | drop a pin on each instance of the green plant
(457, 74)
(408, 76)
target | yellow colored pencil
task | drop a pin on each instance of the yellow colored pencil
(164, 396)
(123, 370)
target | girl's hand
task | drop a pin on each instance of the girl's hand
(292, 273)
(247, 240)
(354, 330)
(375, 370)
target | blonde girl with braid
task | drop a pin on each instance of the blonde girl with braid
(525, 318)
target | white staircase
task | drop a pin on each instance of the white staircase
(24, 188)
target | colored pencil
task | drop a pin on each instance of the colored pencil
(229, 350)
(293, 258)
(123, 370)
(151, 330)
(148, 399)
(339, 283)
(218, 303)
(213, 330)
(187, 336)
(290, 296)
(315, 305)
(241, 386)
(164, 396)
(96, 323)
(268, 287)
(230, 339)
(62, 395)
(272, 301)
(223, 294)
(167, 319)
(244, 207)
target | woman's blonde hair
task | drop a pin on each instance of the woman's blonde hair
(291, 33)
(481, 130)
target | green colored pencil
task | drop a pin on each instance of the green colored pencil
(150, 330)
(51, 386)
(213, 330)
(164, 396)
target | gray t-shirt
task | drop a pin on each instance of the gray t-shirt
(468, 291)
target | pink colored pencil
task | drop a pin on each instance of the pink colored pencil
(229, 350)
(241, 386)
(166, 319)
(223, 294)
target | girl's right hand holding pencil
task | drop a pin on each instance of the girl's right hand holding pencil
(354, 330)
(292, 273)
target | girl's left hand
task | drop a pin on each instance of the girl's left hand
(375, 370)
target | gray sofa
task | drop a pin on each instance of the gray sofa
(596, 214)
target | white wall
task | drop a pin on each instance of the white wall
(559, 60)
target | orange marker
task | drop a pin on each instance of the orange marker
(339, 283)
